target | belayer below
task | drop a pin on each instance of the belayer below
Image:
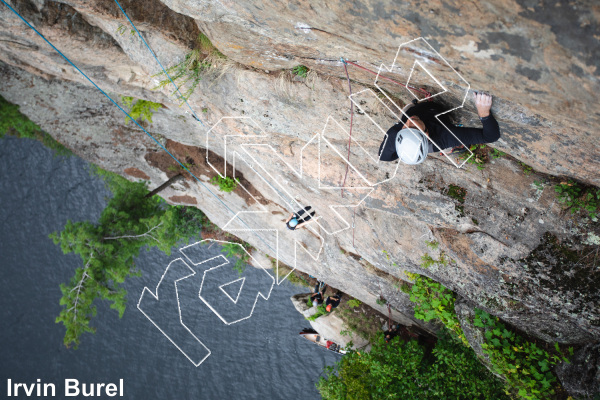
(333, 301)
(411, 139)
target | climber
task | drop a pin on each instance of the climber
(413, 138)
(295, 221)
(333, 301)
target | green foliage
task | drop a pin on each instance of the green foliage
(405, 287)
(495, 153)
(13, 123)
(108, 249)
(433, 245)
(140, 109)
(457, 193)
(352, 303)
(539, 186)
(525, 365)
(433, 301)
(122, 29)
(188, 73)
(527, 170)
(285, 272)
(388, 258)
(404, 370)
(309, 303)
(207, 47)
(321, 310)
(577, 198)
(226, 184)
(481, 155)
(358, 321)
(477, 158)
(381, 301)
(300, 70)
(237, 251)
(427, 261)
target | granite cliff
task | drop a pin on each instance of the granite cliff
(516, 253)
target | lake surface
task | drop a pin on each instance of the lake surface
(262, 357)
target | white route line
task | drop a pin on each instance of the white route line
(290, 201)
(146, 290)
(391, 68)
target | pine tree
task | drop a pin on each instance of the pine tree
(109, 247)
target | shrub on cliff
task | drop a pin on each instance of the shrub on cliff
(433, 301)
(406, 370)
(525, 365)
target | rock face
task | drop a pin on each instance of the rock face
(581, 377)
(517, 255)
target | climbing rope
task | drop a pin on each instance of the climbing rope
(351, 120)
(349, 143)
(133, 119)
(181, 97)
(346, 62)
(423, 91)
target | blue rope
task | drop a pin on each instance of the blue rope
(131, 118)
(286, 199)
(183, 97)
(159, 63)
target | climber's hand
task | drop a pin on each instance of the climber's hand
(483, 102)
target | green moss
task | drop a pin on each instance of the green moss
(295, 277)
(527, 170)
(207, 47)
(457, 193)
(13, 123)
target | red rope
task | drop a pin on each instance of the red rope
(425, 92)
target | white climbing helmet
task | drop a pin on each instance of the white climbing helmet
(411, 146)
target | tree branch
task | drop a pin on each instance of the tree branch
(136, 236)
(79, 286)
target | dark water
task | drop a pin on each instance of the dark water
(260, 357)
